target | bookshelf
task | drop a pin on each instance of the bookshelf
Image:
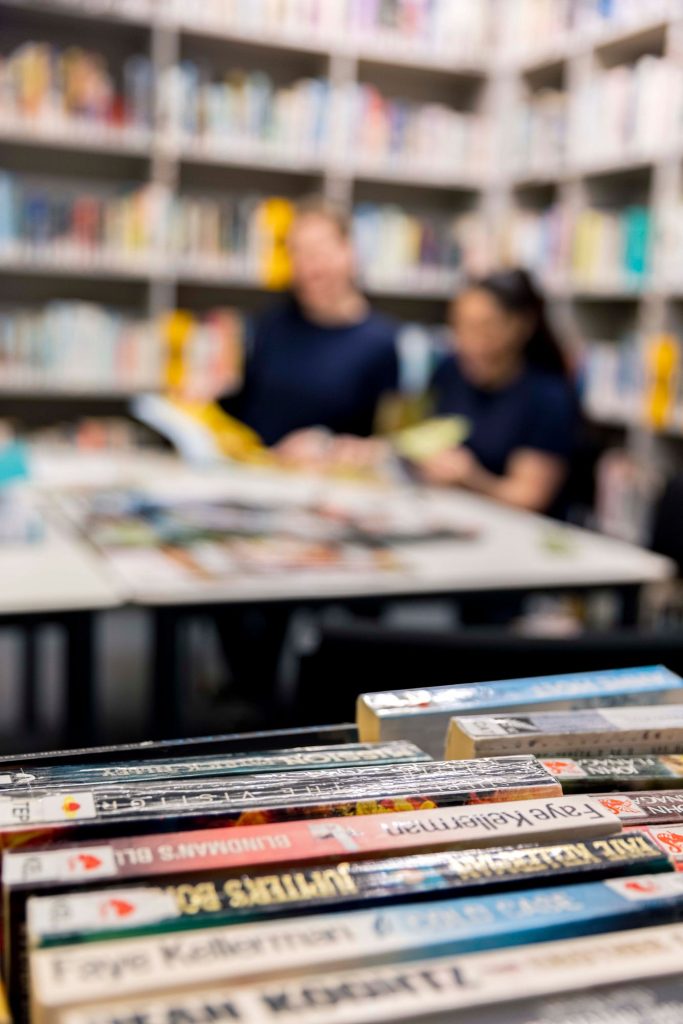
(488, 80)
(160, 154)
(612, 311)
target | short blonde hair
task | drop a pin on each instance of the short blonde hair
(318, 206)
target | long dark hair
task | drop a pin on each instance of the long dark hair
(516, 291)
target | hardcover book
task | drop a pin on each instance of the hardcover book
(423, 715)
(158, 965)
(648, 729)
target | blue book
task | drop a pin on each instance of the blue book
(423, 715)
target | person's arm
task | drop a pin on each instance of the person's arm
(535, 471)
(531, 481)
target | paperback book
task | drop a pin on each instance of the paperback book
(158, 965)
(423, 715)
(256, 894)
(418, 991)
(28, 778)
(657, 808)
(592, 774)
(648, 729)
(126, 858)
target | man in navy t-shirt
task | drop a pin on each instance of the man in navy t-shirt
(320, 357)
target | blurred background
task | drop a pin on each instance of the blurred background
(184, 185)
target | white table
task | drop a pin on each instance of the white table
(513, 552)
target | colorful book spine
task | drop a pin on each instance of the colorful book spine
(668, 838)
(308, 793)
(175, 769)
(82, 346)
(422, 991)
(45, 86)
(198, 746)
(648, 729)
(157, 965)
(423, 714)
(393, 245)
(617, 772)
(260, 895)
(647, 808)
(26, 873)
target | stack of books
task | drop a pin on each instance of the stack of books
(82, 347)
(393, 246)
(58, 220)
(539, 143)
(245, 109)
(437, 27)
(342, 874)
(611, 249)
(630, 111)
(55, 89)
(539, 240)
(426, 138)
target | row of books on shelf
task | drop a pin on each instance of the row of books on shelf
(607, 249)
(228, 236)
(43, 84)
(75, 346)
(535, 26)
(626, 112)
(342, 873)
(249, 108)
(438, 27)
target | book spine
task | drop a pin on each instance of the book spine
(129, 857)
(618, 730)
(248, 799)
(647, 808)
(296, 759)
(74, 974)
(416, 991)
(220, 899)
(592, 774)
(426, 712)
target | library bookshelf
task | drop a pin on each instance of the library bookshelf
(507, 183)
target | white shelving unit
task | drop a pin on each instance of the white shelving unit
(653, 175)
(177, 162)
(491, 83)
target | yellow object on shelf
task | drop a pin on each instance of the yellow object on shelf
(275, 219)
(663, 362)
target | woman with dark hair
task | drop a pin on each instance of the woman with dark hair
(507, 378)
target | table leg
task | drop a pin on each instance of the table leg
(28, 678)
(80, 726)
(165, 713)
(629, 597)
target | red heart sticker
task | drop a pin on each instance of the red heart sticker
(121, 908)
(85, 861)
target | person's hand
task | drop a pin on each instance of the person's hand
(358, 453)
(452, 468)
(309, 447)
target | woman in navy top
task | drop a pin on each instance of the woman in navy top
(321, 357)
(506, 376)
